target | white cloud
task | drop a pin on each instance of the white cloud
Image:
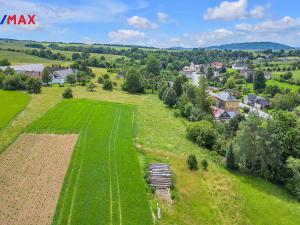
(218, 36)
(162, 17)
(258, 12)
(47, 13)
(123, 35)
(234, 10)
(141, 22)
(283, 24)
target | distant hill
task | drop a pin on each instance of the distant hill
(252, 46)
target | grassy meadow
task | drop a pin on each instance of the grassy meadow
(11, 103)
(17, 58)
(296, 74)
(215, 196)
(104, 184)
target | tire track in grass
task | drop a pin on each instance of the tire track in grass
(73, 169)
(109, 168)
(80, 166)
(116, 170)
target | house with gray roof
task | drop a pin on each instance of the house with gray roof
(59, 77)
(256, 101)
(226, 101)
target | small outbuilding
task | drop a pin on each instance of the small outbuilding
(160, 177)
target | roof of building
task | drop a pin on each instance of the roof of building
(240, 65)
(26, 67)
(64, 73)
(160, 175)
(262, 101)
(251, 97)
(218, 113)
(226, 96)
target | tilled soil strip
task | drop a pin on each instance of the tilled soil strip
(32, 171)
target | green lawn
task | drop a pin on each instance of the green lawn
(296, 74)
(215, 196)
(104, 184)
(11, 103)
(21, 58)
(275, 82)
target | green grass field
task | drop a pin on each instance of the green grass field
(11, 103)
(104, 184)
(296, 74)
(274, 82)
(17, 58)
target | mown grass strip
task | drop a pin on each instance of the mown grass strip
(11, 103)
(104, 159)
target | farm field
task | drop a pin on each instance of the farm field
(104, 184)
(212, 197)
(17, 58)
(275, 82)
(296, 74)
(31, 176)
(11, 103)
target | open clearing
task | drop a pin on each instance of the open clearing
(11, 103)
(31, 176)
(104, 183)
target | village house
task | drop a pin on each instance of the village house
(217, 65)
(240, 66)
(226, 101)
(59, 77)
(223, 115)
(256, 101)
(32, 70)
(250, 73)
(187, 70)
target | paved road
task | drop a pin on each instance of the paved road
(256, 111)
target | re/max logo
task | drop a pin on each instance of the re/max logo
(18, 19)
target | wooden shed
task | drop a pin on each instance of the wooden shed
(160, 176)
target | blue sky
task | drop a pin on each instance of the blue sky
(164, 23)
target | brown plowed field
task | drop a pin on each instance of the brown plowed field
(32, 171)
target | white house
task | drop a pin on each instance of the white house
(240, 66)
(59, 77)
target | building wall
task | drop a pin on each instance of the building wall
(231, 106)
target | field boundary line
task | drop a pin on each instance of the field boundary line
(79, 171)
(116, 169)
(109, 165)
(71, 174)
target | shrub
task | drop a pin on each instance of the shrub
(177, 113)
(2, 78)
(133, 82)
(108, 85)
(170, 97)
(91, 86)
(204, 164)
(161, 90)
(202, 133)
(230, 159)
(68, 93)
(34, 85)
(4, 62)
(71, 79)
(293, 183)
(192, 162)
(100, 80)
(14, 82)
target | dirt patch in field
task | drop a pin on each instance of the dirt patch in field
(32, 171)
